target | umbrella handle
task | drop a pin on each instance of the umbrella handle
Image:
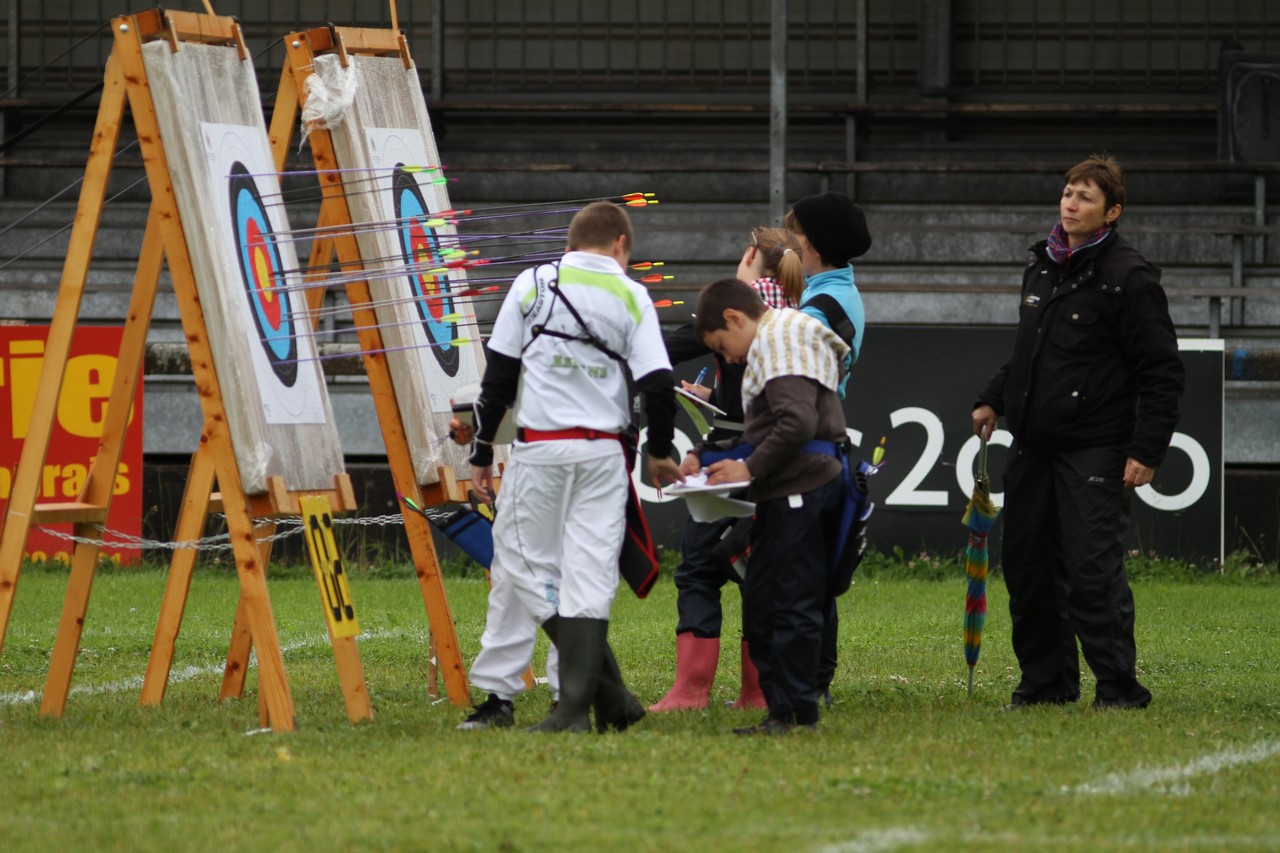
(982, 455)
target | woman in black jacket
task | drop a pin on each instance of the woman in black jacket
(1091, 397)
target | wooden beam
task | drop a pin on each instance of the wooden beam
(75, 272)
(191, 521)
(272, 679)
(334, 211)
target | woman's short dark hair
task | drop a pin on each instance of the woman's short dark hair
(1105, 173)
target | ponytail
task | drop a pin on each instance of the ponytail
(781, 260)
(791, 276)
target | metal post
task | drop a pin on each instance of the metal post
(1236, 309)
(437, 51)
(13, 76)
(777, 111)
(1260, 217)
(934, 67)
(859, 97)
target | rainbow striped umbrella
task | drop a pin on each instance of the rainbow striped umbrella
(979, 516)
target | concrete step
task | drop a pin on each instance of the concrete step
(960, 245)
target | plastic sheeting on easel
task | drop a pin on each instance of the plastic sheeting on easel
(431, 339)
(215, 141)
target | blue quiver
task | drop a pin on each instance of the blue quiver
(850, 543)
(465, 527)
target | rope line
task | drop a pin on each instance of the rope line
(216, 542)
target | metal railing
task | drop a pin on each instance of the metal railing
(576, 48)
(1135, 47)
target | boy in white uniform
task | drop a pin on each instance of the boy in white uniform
(568, 345)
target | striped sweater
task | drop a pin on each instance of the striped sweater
(790, 343)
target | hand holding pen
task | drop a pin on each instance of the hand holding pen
(696, 387)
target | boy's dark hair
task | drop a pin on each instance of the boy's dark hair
(723, 294)
(1105, 172)
(597, 225)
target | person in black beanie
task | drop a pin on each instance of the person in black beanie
(831, 231)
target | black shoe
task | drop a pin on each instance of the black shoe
(1018, 701)
(1122, 704)
(775, 726)
(492, 713)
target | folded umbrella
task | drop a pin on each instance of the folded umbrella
(979, 516)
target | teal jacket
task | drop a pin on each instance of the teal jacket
(839, 284)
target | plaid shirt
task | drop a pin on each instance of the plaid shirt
(771, 292)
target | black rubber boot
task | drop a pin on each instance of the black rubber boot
(581, 644)
(616, 707)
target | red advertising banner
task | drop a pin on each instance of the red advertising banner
(77, 431)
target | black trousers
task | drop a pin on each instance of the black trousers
(1065, 516)
(699, 579)
(784, 598)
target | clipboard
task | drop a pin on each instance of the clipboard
(701, 402)
(710, 503)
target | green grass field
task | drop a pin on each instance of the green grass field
(905, 760)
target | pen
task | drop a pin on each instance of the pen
(702, 374)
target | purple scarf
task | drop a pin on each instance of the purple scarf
(1058, 246)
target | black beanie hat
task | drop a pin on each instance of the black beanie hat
(834, 225)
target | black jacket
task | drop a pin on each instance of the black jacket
(684, 345)
(1096, 358)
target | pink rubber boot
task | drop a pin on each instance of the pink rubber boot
(751, 696)
(696, 660)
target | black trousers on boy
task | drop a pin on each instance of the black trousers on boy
(784, 597)
(699, 579)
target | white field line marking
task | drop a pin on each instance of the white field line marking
(886, 840)
(880, 840)
(1174, 780)
(185, 674)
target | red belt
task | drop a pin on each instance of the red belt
(524, 434)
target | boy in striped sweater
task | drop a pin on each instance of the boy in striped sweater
(789, 453)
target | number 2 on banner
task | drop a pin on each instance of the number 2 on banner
(339, 608)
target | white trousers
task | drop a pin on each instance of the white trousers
(558, 534)
(506, 646)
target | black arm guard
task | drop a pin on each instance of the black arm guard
(659, 393)
(497, 393)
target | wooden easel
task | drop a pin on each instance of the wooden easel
(126, 85)
(301, 49)
(334, 211)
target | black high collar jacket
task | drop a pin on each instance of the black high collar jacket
(1096, 357)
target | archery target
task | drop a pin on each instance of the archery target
(261, 271)
(408, 202)
(272, 313)
(420, 249)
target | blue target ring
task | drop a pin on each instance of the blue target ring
(421, 250)
(263, 275)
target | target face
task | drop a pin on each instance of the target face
(421, 251)
(263, 275)
(253, 281)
